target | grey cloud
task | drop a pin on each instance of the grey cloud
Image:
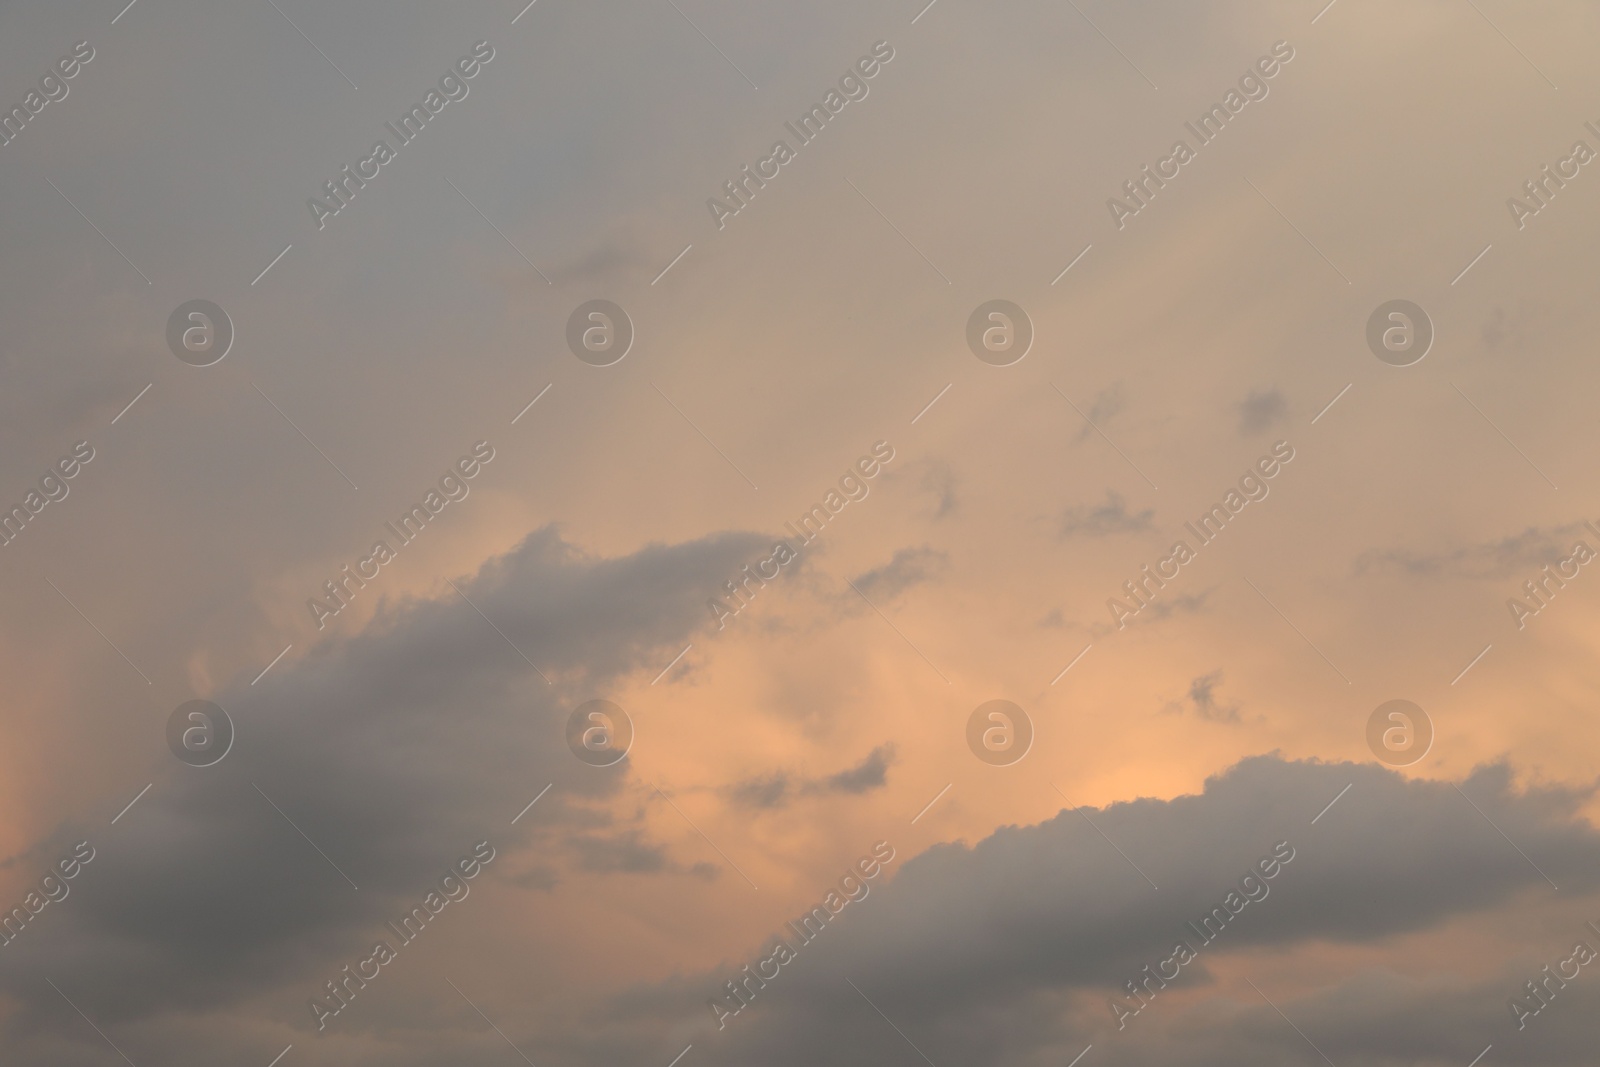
(1507, 557)
(871, 773)
(935, 479)
(394, 751)
(939, 480)
(1112, 517)
(629, 853)
(193, 141)
(536, 876)
(1507, 332)
(1203, 697)
(1159, 610)
(907, 568)
(1182, 604)
(778, 789)
(965, 946)
(1261, 410)
(1106, 405)
(768, 791)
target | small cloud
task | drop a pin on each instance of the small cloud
(1261, 410)
(776, 790)
(871, 773)
(908, 567)
(1505, 331)
(1106, 404)
(771, 791)
(626, 853)
(1184, 604)
(939, 480)
(934, 478)
(623, 853)
(1203, 695)
(1112, 517)
(537, 877)
(1526, 551)
(1160, 610)
(1494, 331)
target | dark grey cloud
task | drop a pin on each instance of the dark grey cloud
(394, 751)
(1009, 949)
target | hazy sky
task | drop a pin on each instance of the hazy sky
(1406, 506)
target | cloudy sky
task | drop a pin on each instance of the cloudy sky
(1406, 505)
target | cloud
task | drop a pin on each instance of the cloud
(1010, 948)
(1514, 556)
(416, 323)
(776, 790)
(394, 751)
(937, 479)
(1261, 410)
(629, 853)
(1112, 517)
(908, 567)
(871, 773)
(1202, 691)
(1106, 405)
(1508, 331)
(1159, 610)
(1202, 696)
(767, 791)
(1182, 604)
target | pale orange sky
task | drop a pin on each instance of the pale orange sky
(1220, 320)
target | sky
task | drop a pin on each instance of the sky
(995, 526)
